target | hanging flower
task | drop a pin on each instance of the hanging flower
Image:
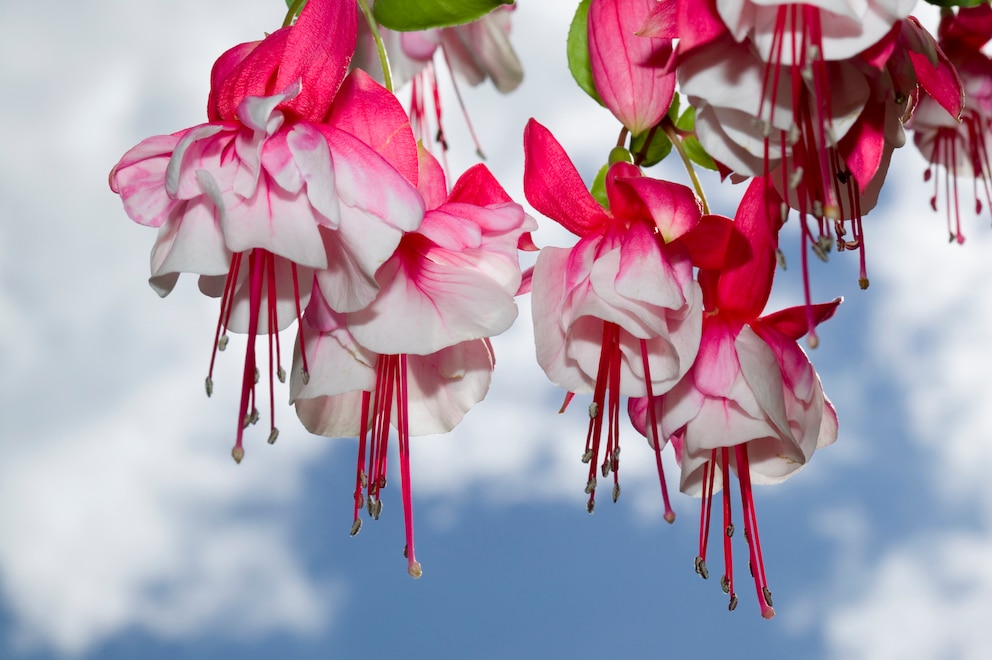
(751, 403)
(418, 358)
(269, 193)
(619, 313)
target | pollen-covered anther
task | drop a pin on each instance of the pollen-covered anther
(863, 283)
(415, 570)
(793, 135)
(363, 478)
(355, 527)
(222, 342)
(209, 385)
(605, 468)
(593, 410)
(616, 492)
(725, 584)
(254, 417)
(237, 454)
(591, 507)
(796, 178)
(700, 566)
(281, 375)
(733, 602)
(586, 457)
(590, 485)
(273, 435)
(377, 509)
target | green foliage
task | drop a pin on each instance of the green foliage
(411, 15)
(577, 49)
(958, 3)
(692, 147)
(598, 189)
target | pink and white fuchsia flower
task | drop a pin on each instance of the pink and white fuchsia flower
(418, 357)
(960, 145)
(619, 313)
(751, 403)
(275, 189)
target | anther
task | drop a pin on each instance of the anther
(586, 457)
(700, 565)
(605, 468)
(356, 527)
(593, 410)
(363, 478)
(273, 435)
(616, 493)
(281, 375)
(253, 419)
(780, 258)
(222, 342)
(590, 485)
(258, 375)
(306, 377)
(415, 570)
(591, 506)
(377, 509)
(210, 385)
(730, 530)
(725, 584)
(766, 592)
(863, 283)
(237, 454)
(795, 178)
(733, 602)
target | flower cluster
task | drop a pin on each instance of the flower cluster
(306, 198)
(310, 196)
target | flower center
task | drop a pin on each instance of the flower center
(261, 282)
(377, 408)
(720, 460)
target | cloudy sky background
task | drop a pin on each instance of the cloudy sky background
(126, 529)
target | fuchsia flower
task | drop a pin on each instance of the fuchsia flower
(751, 403)
(275, 193)
(620, 312)
(628, 70)
(960, 145)
(418, 357)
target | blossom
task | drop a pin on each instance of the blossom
(418, 357)
(751, 403)
(627, 69)
(274, 193)
(960, 145)
(620, 311)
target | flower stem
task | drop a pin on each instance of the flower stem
(294, 10)
(380, 47)
(673, 135)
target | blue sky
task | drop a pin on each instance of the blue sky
(127, 531)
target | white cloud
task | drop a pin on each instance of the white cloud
(926, 592)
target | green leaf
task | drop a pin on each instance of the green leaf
(598, 189)
(578, 51)
(692, 147)
(412, 15)
(957, 3)
(657, 150)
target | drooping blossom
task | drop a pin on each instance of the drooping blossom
(619, 313)
(629, 71)
(271, 192)
(418, 357)
(960, 146)
(751, 404)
